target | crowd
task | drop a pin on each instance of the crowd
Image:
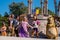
(27, 26)
(19, 26)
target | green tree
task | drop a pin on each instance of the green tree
(17, 8)
(6, 14)
(51, 13)
(0, 15)
(0, 20)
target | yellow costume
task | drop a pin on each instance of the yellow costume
(3, 32)
(51, 30)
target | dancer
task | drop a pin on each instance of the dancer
(3, 29)
(51, 30)
(23, 30)
(36, 24)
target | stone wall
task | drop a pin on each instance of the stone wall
(42, 26)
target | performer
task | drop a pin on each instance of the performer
(3, 29)
(51, 30)
(36, 24)
(23, 30)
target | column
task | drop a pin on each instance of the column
(55, 4)
(41, 6)
(45, 7)
(29, 6)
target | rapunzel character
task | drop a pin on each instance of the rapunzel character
(23, 30)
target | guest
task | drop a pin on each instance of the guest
(11, 31)
(16, 24)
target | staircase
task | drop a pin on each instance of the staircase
(19, 38)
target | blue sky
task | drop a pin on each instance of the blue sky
(4, 4)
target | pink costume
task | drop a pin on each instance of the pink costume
(23, 29)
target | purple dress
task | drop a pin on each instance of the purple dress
(23, 30)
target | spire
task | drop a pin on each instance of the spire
(45, 7)
(58, 5)
(58, 9)
(55, 4)
(41, 2)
